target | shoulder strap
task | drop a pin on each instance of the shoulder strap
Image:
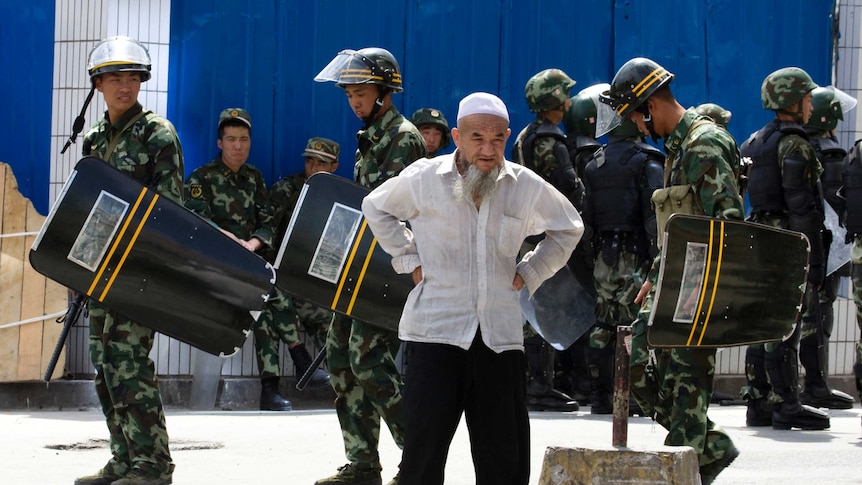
(671, 158)
(116, 139)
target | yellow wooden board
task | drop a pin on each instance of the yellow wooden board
(24, 293)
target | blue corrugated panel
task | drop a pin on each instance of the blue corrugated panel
(27, 57)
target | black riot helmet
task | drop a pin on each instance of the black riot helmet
(633, 83)
(371, 65)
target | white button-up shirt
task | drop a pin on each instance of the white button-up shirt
(469, 256)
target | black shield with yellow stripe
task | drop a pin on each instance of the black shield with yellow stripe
(724, 283)
(150, 259)
(330, 257)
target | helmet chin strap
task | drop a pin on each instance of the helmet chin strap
(78, 126)
(378, 103)
(648, 122)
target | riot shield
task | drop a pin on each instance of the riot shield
(329, 256)
(561, 310)
(151, 259)
(725, 283)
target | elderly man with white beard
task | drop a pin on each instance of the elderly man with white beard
(469, 212)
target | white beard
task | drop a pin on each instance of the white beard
(476, 185)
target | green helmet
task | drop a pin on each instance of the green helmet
(785, 87)
(582, 116)
(633, 83)
(119, 54)
(830, 104)
(431, 116)
(716, 112)
(547, 90)
(372, 65)
(626, 128)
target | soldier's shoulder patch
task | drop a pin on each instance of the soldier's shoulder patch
(196, 190)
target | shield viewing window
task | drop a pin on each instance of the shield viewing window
(98, 231)
(692, 282)
(335, 242)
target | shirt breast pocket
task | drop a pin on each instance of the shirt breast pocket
(511, 236)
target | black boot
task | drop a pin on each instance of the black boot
(602, 384)
(302, 360)
(857, 372)
(759, 411)
(813, 355)
(783, 369)
(270, 399)
(541, 395)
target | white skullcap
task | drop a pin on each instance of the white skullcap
(482, 104)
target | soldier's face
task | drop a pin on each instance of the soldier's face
(481, 140)
(120, 89)
(807, 108)
(314, 165)
(361, 98)
(235, 144)
(433, 136)
(638, 119)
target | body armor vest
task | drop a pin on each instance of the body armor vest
(853, 189)
(764, 177)
(523, 152)
(581, 148)
(615, 185)
(831, 156)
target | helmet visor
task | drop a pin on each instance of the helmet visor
(118, 52)
(606, 117)
(846, 101)
(350, 67)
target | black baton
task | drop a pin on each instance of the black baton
(318, 359)
(69, 319)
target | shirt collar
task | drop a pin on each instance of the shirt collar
(677, 136)
(127, 116)
(378, 128)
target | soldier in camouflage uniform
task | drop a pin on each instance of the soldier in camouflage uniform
(619, 179)
(782, 188)
(321, 155)
(232, 194)
(716, 112)
(434, 128)
(146, 147)
(852, 176)
(541, 146)
(828, 107)
(677, 384)
(361, 356)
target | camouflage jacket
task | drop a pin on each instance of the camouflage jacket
(549, 157)
(385, 148)
(703, 156)
(707, 160)
(237, 202)
(284, 194)
(148, 150)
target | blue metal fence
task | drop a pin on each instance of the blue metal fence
(263, 54)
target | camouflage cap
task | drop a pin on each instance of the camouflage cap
(547, 90)
(716, 112)
(234, 114)
(785, 87)
(322, 149)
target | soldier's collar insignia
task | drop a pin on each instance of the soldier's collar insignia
(195, 190)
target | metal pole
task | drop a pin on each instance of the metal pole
(621, 386)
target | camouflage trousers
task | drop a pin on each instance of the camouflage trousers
(280, 322)
(676, 388)
(128, 391)
(856, 258)
(368, 387)
(616, 289)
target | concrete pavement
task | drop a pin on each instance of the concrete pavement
(296, 448)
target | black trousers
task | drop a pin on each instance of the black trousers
(444, 381)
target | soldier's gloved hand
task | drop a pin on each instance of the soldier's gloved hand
(816, 274)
